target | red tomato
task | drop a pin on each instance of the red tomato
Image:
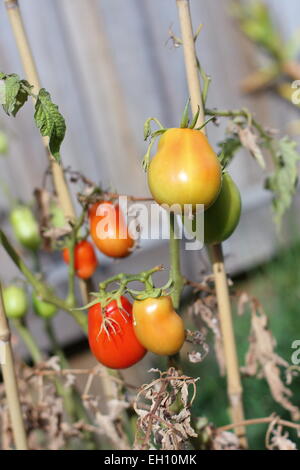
(108, 230)
(85, 260)
(114, 344)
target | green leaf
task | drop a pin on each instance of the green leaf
(228, 148)
(16, 93)
(50, 122)
(195, 119)
(283, 181)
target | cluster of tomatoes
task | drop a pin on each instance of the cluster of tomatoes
(185, 170)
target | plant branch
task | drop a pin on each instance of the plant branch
(269, 419)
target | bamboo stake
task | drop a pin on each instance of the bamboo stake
(32, 76)
(10, 382)
(234, 386)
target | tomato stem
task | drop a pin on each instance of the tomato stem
(175, 272)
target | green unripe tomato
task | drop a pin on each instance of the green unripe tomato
(3, 143)
(41, 308)
(15, 301)
(25, 227)
(222, 218)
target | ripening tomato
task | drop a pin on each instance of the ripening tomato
(85, 261)
(109, 231)
(185, 169)
(157, 326)
(114, 344)
(41, 308)
(15, 301)
(222, 218)
(25, 227)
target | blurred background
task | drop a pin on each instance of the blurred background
(110, 64)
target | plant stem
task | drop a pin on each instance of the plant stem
(71, 271)
(176, 276)
(239, 112)
(129, 277)
(268, 419)
(10, 381)
(28, 339)
(233, 377)
(175, 272)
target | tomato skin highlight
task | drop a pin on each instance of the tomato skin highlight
(25, 227)
(108, 230)
(222, 218)
(119, 349)
(15, 301)
(157, 326)
(41, 308)
(85, 261)
(185, 169)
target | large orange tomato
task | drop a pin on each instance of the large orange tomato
(114, 344)
(85, 261)
(157, 326)
(185, 169)
(109, 231)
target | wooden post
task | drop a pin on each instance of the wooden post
(10, 381)
(234, 386)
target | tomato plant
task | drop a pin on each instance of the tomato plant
(25, 227)
(15, 301)
(185, 169)
(157, 326)
(109, 231)
(112, 339)
(41, 308)
(222, 218)
(85, 261)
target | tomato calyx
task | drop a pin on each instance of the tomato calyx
(185, 123)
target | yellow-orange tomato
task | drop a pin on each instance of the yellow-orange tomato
(185, 169)
(157, 326)
(108, 230)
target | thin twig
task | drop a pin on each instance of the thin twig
(249, 422)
